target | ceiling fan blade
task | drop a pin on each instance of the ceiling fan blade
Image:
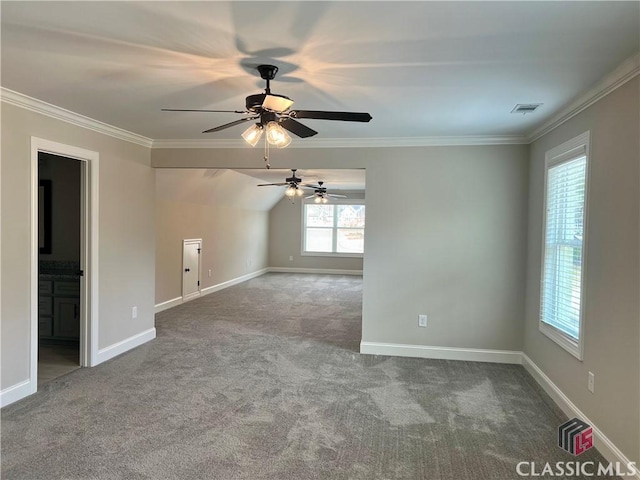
(272, 184)
(310, 196)
(297, 128)
(321, 115)
(193, 110)
(227, 125)
(335, 196)
(317, 187)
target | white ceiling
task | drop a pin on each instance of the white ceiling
(420, 68)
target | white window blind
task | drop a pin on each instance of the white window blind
(561, 297)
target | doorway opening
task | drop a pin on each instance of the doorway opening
(64, 260)
(59, 269)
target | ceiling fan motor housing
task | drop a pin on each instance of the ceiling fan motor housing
(254, 102)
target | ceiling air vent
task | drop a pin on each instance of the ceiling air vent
(525, 108)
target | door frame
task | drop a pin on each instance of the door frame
(88, 251)
(199, 292)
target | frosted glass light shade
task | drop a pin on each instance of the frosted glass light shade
(276, 103)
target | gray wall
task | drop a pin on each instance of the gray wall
(612, 330)
(223, 208)
(127, 237)
(234, 243)
(285, 239)
(446, 236)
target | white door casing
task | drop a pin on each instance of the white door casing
(191, 269)
(89, 252)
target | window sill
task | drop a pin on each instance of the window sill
(337, 255)
(563, 340)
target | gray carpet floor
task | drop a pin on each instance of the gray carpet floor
(263, 380)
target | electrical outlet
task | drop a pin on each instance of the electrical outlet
(422, 320)
(209, 273)
(134, 312)
(291, 258)
(591, 382)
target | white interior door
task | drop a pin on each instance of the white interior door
(191, 269)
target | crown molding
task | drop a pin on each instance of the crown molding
(628, 70)
(625, 72)
(59, 113)
(355, 142)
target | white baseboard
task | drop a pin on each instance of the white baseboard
(192, 296)
(316, 271)
(605, 446)
(160, 307)
(441, 353)
(125, 345)
(15, 392)
(233, 281)
(168, 304)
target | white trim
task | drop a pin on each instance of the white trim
(89, 260)
(193, 296)
(334, 229)
(315, 271)
(576, 147)
(38, 106)
(125, 345)
(625, 72)
(233, 281)
(621, 75)
(15, 392)
(605, 446)
(436, 141)
(160, 307)
(174, 302)
(441, 353)
(331, 254)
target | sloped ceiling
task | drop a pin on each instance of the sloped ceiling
(237, 188)
(420, 68)
(222, 188)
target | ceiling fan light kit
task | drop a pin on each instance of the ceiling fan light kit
(295, 188)
(274, 115)
(293, 191)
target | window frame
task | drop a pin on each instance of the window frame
(571, 150)
(334, 228)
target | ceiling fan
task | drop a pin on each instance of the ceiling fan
(320, 195)
(272, 113)
(294, 187)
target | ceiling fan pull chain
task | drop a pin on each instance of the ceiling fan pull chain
(266, 153)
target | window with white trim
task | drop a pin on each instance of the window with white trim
(563, 248)
(333, 229)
